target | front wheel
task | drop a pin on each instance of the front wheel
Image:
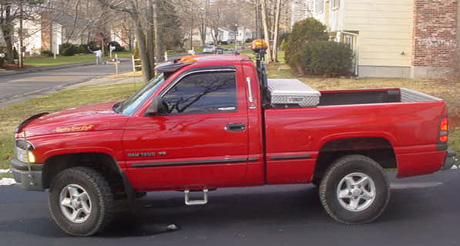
(80, 201)
(354, 190)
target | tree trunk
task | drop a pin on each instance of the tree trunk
(277, 28)
(203, 31)
(150, 37)
(265, 25)
(147, 73)
(8, 31)
(21, 37)
(215, 35)
(159, 44)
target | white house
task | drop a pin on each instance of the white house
(31, 37)
(243, 34)
(48, 33)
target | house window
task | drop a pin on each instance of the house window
(335, 4)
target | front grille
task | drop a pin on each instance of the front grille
(21, 155)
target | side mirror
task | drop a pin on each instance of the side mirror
(157, 106)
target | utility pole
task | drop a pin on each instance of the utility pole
(21, 17)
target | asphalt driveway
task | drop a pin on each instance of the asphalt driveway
(422, 211)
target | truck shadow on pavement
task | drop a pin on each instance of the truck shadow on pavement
(258, 207)
(234, 209)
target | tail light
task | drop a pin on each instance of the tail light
(444, 130)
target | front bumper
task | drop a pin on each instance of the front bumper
(27, 176)
(450, 160)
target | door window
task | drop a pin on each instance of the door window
(207, 92)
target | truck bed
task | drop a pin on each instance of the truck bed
(407, 120)
(368, 96)
(292, 93)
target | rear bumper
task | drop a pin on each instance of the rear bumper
(450, 160)
(27, 176)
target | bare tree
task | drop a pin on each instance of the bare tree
(12, 12)
(141, 13)
(265, 24)
(215, 18)
(276, 31)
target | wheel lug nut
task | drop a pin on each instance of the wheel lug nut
(352, 186)
(349, 193)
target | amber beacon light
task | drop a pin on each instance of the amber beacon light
(259, 44)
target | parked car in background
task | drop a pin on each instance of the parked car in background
(209, 49)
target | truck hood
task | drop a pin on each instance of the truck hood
(94, 117)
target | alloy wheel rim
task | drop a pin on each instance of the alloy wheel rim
(356, 192)
(75, 203)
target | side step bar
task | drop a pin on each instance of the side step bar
(190, 202)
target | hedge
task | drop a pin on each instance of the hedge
(324, 58)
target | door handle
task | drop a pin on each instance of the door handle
(235, 127)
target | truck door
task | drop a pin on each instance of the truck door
(201, 142)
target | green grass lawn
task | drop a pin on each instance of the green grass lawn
(65, 60)
(12, 115)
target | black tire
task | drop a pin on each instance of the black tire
(99, 193)
(349, 166)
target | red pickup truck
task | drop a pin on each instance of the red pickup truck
(215, 121)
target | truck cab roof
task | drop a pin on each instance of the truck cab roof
(201, 61)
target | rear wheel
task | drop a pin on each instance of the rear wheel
(81, 201)
(354, 190)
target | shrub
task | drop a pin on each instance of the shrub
(68, 49)
(304, 31)
(84, 49)
(93, 45)
(46, 53)
(325, 58)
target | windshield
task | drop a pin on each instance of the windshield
(131, 105)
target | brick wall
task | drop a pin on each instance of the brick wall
(435, 32)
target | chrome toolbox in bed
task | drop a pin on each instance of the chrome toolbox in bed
(292, 92)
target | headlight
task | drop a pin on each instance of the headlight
(24, 151)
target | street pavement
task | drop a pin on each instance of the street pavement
(19, 87)
(422, 211)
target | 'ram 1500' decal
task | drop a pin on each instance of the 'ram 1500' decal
(147, 154)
